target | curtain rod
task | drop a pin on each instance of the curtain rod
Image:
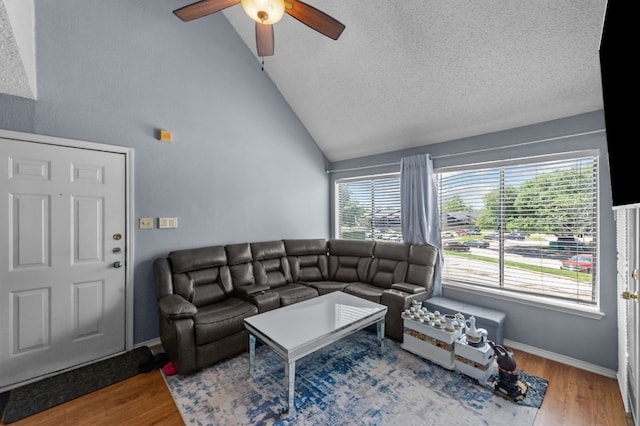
(591, 132)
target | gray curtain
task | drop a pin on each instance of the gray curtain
(419, 206)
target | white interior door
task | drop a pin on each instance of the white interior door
(628, 264)
(633, 313)
(62, 290)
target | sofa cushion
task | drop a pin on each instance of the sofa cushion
(349, 261)
(312, 267)
(324, 287)
(272, 272)
(218, 320)
(307, 259)
(240, 264)
(198, 258)
(303, 247)
(389, 264)
(268, 250)
(293, 292)
(201, 275)
(355, 248)
(270, 264)
(422, 260)
(365, 291)
(238, 253)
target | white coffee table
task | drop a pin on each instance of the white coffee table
(297, 330)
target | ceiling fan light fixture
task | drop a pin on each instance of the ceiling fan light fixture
(264, 11)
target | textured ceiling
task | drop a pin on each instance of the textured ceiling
(416, 72)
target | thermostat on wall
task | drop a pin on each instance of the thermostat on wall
(167, 222)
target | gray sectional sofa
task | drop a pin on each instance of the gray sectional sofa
(204, 294)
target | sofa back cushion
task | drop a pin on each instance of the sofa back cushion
(389, 264)
(308, 259)
(270, 264)
(240, 260)
(201, 275)
(349, 260)
(422, 261)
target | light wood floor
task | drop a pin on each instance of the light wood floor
(574, 397)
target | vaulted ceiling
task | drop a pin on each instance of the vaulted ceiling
(407, 73)
(416, 72)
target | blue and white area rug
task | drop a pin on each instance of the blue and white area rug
(346, 383)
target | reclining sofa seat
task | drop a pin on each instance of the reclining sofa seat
(349, 262)
(388, 266)
(309, 262)
(201, 321)
(271, 268)
(417, 285)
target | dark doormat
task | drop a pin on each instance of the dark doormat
(44, 394)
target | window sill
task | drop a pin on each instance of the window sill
(539, 302)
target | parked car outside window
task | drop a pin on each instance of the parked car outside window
(477, 243)
(578, 263)
(492, 236)
(564, 243)
(455, 246)
(514, 236)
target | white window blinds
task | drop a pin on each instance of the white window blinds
(369, 208)
(539, 219)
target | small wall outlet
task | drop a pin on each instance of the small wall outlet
(167, 222)
(146, 223)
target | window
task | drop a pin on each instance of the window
(369, 208)
(530, 224)
(539, 218)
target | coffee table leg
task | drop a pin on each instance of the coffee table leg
(252, 353)
(289, 382)
(380, 330)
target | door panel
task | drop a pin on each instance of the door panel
(62, 302)
(633, 312)
(30, 220)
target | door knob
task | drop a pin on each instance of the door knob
(634, 274)
(119, 264)
(626, 296)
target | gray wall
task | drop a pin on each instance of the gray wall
(590, 340)
(241, 166)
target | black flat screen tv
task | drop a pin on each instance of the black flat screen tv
(619, 89)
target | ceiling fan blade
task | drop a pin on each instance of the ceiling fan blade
(203, 8)
(314, 18)
(264, 39)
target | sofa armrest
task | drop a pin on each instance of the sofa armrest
(260, 295)
(408, 288)
(250, 290)
(175, 307)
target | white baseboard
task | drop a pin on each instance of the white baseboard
(561, 359)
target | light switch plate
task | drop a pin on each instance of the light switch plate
(146, 223)
(167, 222)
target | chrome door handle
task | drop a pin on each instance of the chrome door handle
(117, 264)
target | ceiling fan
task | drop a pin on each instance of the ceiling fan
(266, 13)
